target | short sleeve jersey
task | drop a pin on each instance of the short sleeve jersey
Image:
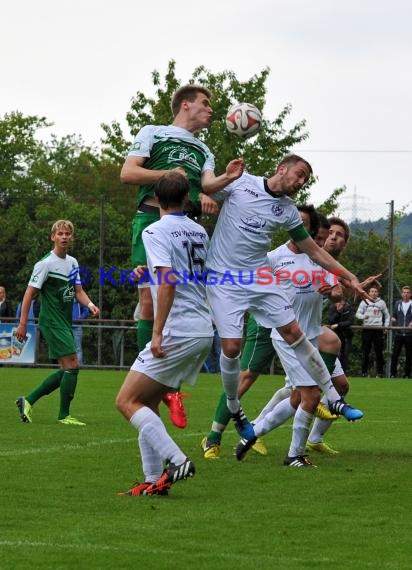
(180, 243)
(167, 147)
(55, 277)
(300, 278)
(245, 226)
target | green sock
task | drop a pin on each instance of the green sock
(220, 421)
(48, 386)
(329, 359)
(67, 390)
(144, 333)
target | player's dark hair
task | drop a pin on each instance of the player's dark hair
(309, 209)
(323, 222)
(189, 93)
(171, 190)
(335, 221)
(294, 159)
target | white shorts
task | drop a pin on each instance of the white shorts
(296, 375)
(229, 303)
(182, 363)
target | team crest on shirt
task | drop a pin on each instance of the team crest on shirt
(68, 293)
(277, 210)
(136, 146)
(254, 222)
(184, 156)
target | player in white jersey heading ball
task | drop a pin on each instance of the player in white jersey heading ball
(253, 209)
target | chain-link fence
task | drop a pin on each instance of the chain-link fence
(112, 343)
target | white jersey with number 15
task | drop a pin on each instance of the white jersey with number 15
(178, 242)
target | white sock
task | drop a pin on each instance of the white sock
(230, 372)
(277, 397)
(320, 427)
(300, 432)
(280, 413)
(312, 362)
(152, 463)
(152, 428)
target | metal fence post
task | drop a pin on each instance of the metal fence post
(101, 262)
(390, 284)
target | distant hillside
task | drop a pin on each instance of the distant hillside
(403, 228)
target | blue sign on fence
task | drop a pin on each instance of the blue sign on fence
(12, 351)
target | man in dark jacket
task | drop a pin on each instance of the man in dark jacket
(402, 317)
(6, 310)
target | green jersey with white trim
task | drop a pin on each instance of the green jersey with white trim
(168, 147)
(56, 278)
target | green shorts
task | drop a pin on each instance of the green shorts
(60, 342)
(258, 351)
(139, 224)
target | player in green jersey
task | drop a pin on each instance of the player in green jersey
(156, 150)
(56, 277)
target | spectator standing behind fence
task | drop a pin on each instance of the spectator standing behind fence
(373, 314)
(79, 313)
(34, 310)
(402, 317)
(6, 310)
(341, 319)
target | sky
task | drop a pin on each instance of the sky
(344, 67)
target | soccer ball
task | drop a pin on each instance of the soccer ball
(243, 120)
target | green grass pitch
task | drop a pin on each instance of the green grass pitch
(59, 507)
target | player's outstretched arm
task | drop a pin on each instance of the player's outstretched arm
(372, 280)
(134, 172)
(208, 205)
(212, 183)
(325, 260)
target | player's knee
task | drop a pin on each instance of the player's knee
(231, 347)
(295, 398)
(291, 332)
(69, 362)
(329, 341)
(310, 399)
(121, 404)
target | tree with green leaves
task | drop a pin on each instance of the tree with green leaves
(41, 182)
(261, 154)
